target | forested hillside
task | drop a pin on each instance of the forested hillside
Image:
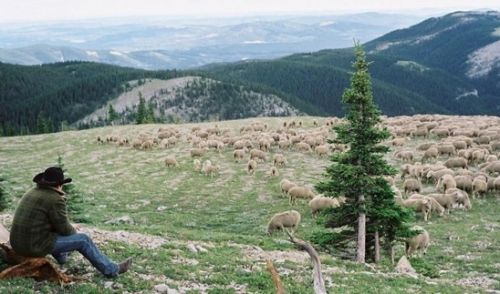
(39, 99)
(422, 69)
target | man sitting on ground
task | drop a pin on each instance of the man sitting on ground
(41, 226)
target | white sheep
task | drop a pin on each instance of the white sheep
(320, 202)
(299, 192)
(251, 166)
(418, 243)
(280, 221)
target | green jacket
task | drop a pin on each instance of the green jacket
(40, 217)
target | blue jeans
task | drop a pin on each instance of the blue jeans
(83, 244)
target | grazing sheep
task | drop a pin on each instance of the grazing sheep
(299, 192)
(479, 187)
(492, 167)
(279, 160)
(418, 243)
(147, 145)
(435, 175)
(251, 166)
(302, 146)
(170, 161)
(412, 185)
(100, 140)
(404, 155)
(435, 206)
(447, 149)
(286, 185)
(210, 169)
(456, 162)
(460, 144)
(446, 182)
(239, 154)
(197, 152)
(464, 183)
(445, 200)
(423, 205)
(274, 172)
(280, 221)
(320, 202)
(321, 150)
(460, 197)
(432, 152)
(284, 144)
(425, 146)
(398, 141)
(259, 154)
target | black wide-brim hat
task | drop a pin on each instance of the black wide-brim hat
(53, 176)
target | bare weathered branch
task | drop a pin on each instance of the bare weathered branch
(319, 282)
(276, 277)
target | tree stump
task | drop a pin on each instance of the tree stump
(39, 268)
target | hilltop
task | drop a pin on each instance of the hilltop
(207, 234)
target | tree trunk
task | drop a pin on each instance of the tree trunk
(377, 247)
(361, 251)
(392, 254)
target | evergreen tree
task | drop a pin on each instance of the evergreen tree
(74, 199)
(370, 212)
(141, 110)
(150, 115)
(112, 115)
(42, 125)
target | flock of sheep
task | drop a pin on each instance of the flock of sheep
(444, 160)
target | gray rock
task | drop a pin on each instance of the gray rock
(404, 267)
(161, 288)
(126, 219)
(192, 248)
(108, 285)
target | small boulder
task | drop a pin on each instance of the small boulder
(126, 219)
(404, 267)
(161, 288)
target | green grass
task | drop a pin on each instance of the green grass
(227, 215)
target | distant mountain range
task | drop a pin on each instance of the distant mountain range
(170, 43)
(448, 64)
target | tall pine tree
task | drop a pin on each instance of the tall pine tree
(112, 115)
(141, 110)
(370, 212)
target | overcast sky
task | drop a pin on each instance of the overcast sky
(42, 10)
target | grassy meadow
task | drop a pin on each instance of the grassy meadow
(173, 212)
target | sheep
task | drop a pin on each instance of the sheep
(446, 182)
(412, 185)
(456, 162)
(302, 146)
(238, 154)
(284, 144)
(197, 152)
(425, 146)
(205, 164)
(447, 149)
(435, 206)
(197, 165)
(460, 197)
(423, 205)
(436, 175)
(432, 152)
(274, 172)
(286, 185)
(464, 183)
(460, 144)
(299, 192)
(418, 243)
(496, 183)
(210, 169)
(259, 154)
(398, 141)
(251, 166)
(321, 150)
(445, 200)
(492, 167)
(315, 123)
(280, 221)
(320, 202)
(100, 140)
(404, 155)
(479, 187)
(279, 160)
(147, 145)
(170, 161)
